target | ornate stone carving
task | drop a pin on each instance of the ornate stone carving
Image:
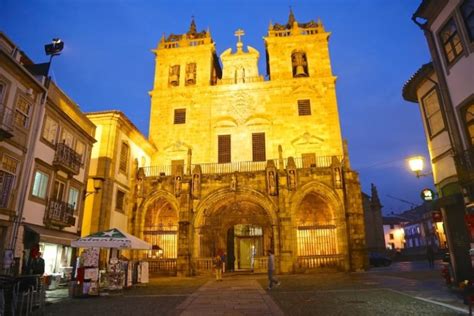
(196, 185)
(233, 182)
(291, 174)
(272, 178)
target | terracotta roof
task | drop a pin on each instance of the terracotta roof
(410, 87)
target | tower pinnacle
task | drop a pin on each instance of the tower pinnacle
(291, 18)
(239, 33)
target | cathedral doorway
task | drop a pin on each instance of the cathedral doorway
(241, 230)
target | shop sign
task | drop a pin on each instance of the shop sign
(427, 194)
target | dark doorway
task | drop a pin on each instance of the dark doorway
(230, 250)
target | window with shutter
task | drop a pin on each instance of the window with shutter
(179, 116)
(124, 153)
(304, 107)
(119, 201)
(258, 147)
(224, 152)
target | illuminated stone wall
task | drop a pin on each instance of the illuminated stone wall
(305, 196)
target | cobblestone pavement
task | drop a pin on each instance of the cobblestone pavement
(403, 289)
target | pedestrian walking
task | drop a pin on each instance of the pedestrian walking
(271, 269)
(430, 256)
(218, 267)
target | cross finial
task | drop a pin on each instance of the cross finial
(239, 33)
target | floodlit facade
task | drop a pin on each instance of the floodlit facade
(444, 91)
(116, 156)
(246, 162)
(21, 100)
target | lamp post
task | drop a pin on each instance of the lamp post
(417, 164)
(98, 181)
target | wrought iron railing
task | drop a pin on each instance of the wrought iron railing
(67, 158)
(164, 266)
(6, 119)
(320, 261)
(59, 213)
(246, 166)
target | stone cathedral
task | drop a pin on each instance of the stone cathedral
(245, 161)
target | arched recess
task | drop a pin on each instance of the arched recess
(319, 224)
(225, 210)
(159, 224)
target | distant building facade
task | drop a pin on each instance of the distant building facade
(394, 233)
(445, 93)
(374, 233)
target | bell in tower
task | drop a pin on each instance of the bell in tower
(300, 65)
(174, 75)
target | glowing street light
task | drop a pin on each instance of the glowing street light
(416, 164)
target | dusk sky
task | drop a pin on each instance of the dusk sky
(375, 47)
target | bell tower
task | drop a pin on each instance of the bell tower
(183, 63)
(297, 50)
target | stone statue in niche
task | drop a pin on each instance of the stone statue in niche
(177, 185)
(196, 184)
(337, 178)
(291, 179)
(233, 183)
(271, 183)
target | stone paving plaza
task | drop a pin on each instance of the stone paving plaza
(403, 289)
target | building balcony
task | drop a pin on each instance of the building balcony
(465, 165)
(6, 122)
(67, 159)
(59, 213)
(246, 166)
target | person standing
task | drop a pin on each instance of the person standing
(218, 267)
(271, 269)
(430, 256)
(37, 265)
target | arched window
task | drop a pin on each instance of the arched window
(299, 64)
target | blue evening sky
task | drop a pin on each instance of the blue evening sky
(374, 46)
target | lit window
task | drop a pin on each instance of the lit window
(22, 112)
(124, 153)
(40, 185)
(451, 41)
(73, 198)
(304, 107)
(67, 138)
(80, 150)
(50, 130)
(433, 115)
(467, 11)
(8, 170)
(179, 116)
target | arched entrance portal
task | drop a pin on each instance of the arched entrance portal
(240, 225)
(242, 230)
(160, 229)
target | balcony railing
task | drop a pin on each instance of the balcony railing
(465, 165)
(245, 166)
(59, 213)
(6, 122)
(227, 81)
(67, 159)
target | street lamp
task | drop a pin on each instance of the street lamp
(416, 164)
(98, 181)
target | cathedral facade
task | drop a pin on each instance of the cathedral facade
(245, 162)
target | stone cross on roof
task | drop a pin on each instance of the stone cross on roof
(239, 33)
